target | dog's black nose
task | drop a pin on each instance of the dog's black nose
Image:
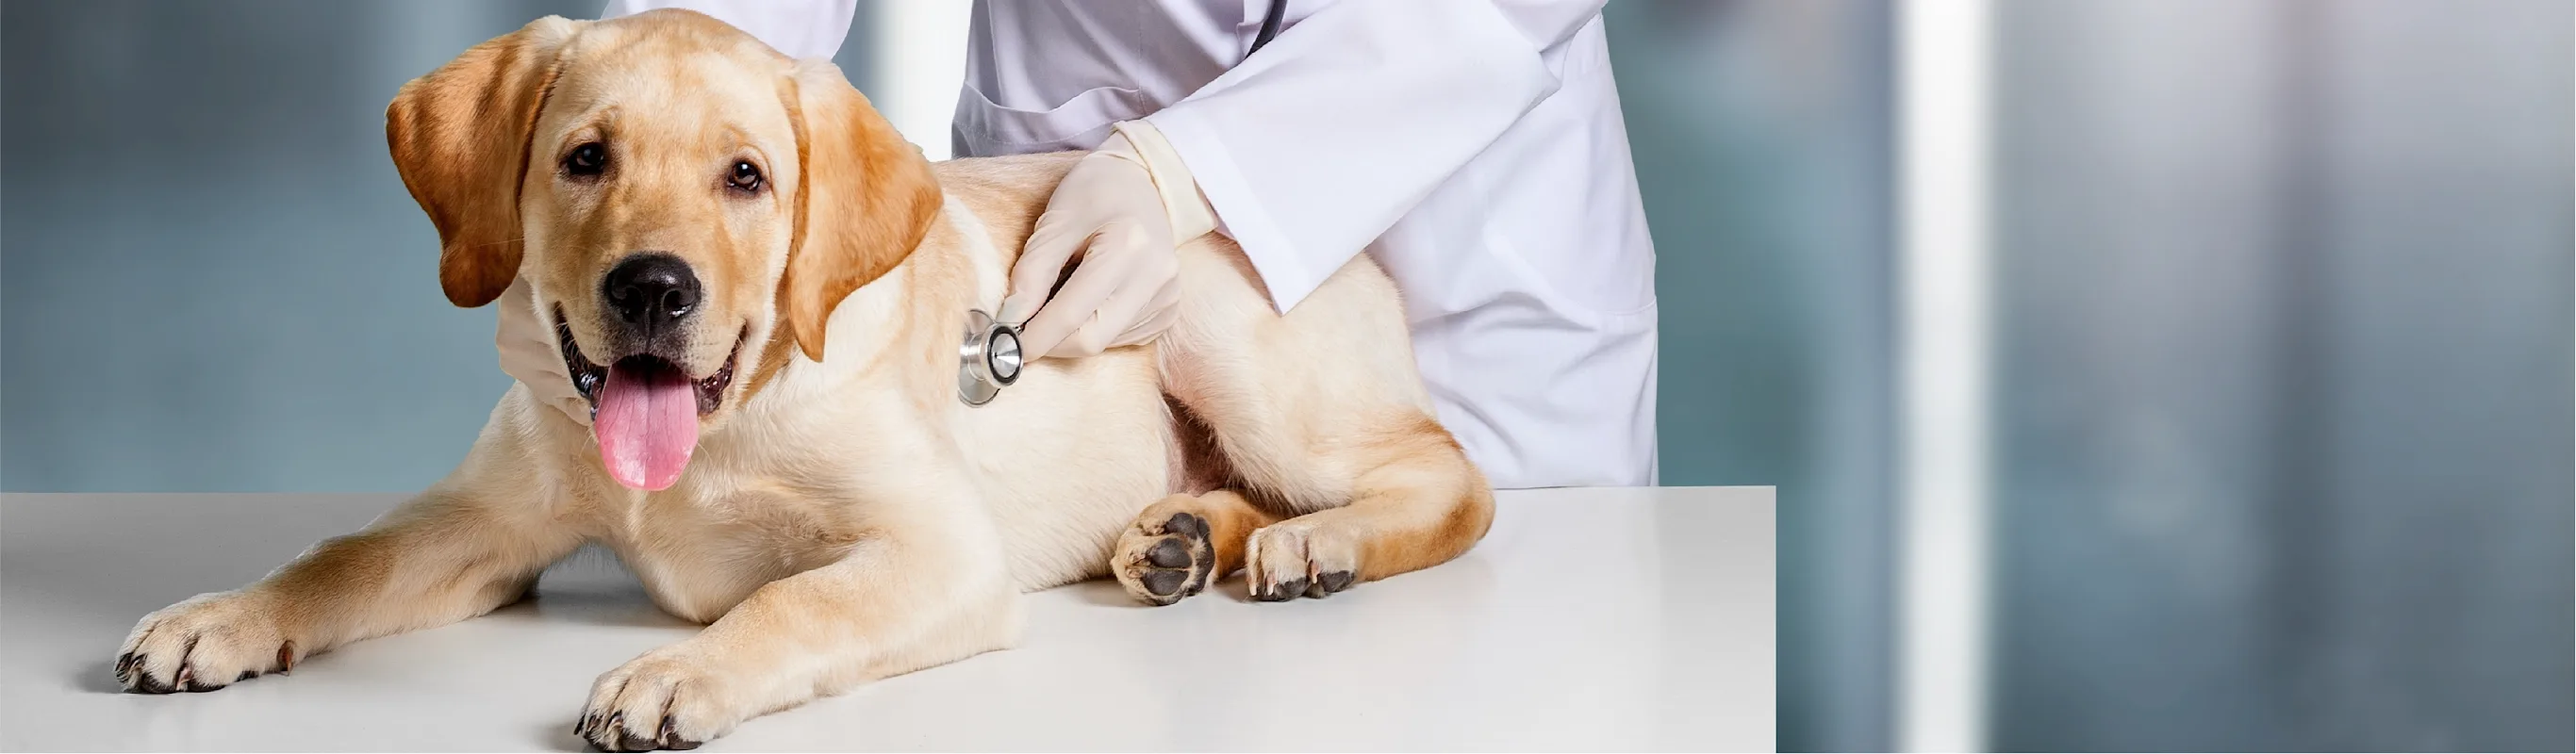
(651, 291)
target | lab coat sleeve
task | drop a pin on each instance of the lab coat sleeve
(797, 28)
(1313, 147)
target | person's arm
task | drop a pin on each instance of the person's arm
(798, 28)
(1314, 146)
(1304, 153)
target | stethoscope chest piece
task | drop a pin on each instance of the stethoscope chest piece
(989, 360)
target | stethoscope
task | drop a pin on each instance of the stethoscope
(989, 361)
(990, 358)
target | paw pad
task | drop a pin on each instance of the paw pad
(1164, 562)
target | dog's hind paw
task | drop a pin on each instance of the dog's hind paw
(1299, 558)
(1163, 561)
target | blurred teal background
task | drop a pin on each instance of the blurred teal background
(210, 277)
(2284, 342)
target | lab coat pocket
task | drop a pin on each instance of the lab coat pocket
(986, 128)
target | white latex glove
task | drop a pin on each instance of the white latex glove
(1123, 211)
(530, 355)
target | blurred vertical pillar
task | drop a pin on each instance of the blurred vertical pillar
(913, 54)
(1944, 356)
(1761, 134)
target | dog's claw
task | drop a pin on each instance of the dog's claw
(144, 682)
(1285, 590)
(671, 736)
(606, 734)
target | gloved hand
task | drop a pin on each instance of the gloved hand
(529, 353)
(1124, 210)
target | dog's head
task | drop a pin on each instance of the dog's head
(677, 194)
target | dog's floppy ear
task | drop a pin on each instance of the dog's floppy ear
(866, 199)
(460, 139)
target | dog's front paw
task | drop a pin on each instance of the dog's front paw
(670, 698)
(1162, 561)
(1295, 558)
(206, 643)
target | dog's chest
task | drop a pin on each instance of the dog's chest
(700, 551)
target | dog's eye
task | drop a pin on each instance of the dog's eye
(745, 177)
(587, 159)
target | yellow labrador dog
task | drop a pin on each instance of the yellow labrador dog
(756, 281)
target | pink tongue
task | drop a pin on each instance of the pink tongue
(647, 424)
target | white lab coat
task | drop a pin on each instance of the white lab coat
(1473, 147)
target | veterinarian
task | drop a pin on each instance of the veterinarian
(1474, 147)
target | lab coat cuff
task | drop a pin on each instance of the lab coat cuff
(1182, 202)
(1237, 208)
